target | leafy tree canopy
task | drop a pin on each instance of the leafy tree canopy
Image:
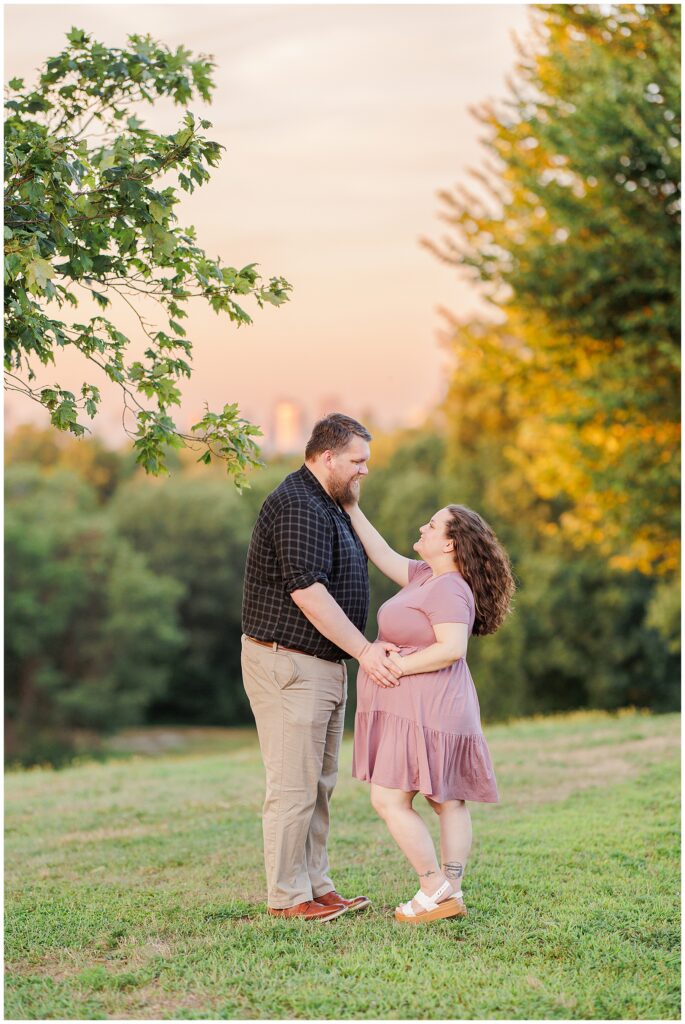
(87, 214)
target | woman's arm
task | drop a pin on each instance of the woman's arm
(390, 563)
(450, 646)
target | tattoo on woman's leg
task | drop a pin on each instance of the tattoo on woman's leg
(426, 874)
(453, 869)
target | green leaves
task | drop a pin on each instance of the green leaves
(231, 438)
(158, 212)
(88, 216)
(183, 137)
(91, 395)
(38, 273)
(77, 37)
(162, 243)
(63, 409)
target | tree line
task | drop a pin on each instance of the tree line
(123, 593)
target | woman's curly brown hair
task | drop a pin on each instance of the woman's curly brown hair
(484, 564)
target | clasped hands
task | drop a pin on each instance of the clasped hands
(382, 662)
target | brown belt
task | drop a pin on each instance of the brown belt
(295, 650)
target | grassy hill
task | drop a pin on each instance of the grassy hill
(134, 888)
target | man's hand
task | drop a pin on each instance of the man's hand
(375, 661)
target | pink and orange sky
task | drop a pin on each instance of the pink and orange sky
(340, 123)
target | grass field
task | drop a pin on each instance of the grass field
(134, 888)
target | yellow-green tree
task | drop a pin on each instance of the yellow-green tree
(574, 234)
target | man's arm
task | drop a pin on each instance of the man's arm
(303, 548)
(326, 615)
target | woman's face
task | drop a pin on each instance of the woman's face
(433, 541)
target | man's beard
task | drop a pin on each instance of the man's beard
(342, 491)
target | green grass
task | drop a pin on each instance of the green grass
(134, 889)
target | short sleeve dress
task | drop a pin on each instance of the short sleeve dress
(425, 734)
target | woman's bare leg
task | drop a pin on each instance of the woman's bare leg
(455, 838)
(409, 831)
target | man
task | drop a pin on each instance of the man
(305, 604)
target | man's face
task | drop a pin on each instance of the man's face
(346, 468)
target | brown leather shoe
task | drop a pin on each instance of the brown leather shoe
(310, 910)
(333, 898)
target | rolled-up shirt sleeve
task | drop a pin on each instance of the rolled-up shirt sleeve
(303, 545)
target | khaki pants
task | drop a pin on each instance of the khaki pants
(298, 702)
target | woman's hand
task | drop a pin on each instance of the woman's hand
(397, 661)
(353, 502)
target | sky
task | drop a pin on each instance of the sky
(340, 123)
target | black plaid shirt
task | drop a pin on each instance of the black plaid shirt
(302, 537)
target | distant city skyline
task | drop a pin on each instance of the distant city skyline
(329, 178)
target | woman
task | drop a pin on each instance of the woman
(423, 734)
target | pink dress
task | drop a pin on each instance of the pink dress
(425, 734)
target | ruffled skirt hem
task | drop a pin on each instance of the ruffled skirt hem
(397, 753)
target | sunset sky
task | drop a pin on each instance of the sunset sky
(340, 123)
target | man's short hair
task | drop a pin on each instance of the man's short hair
(333, 433)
